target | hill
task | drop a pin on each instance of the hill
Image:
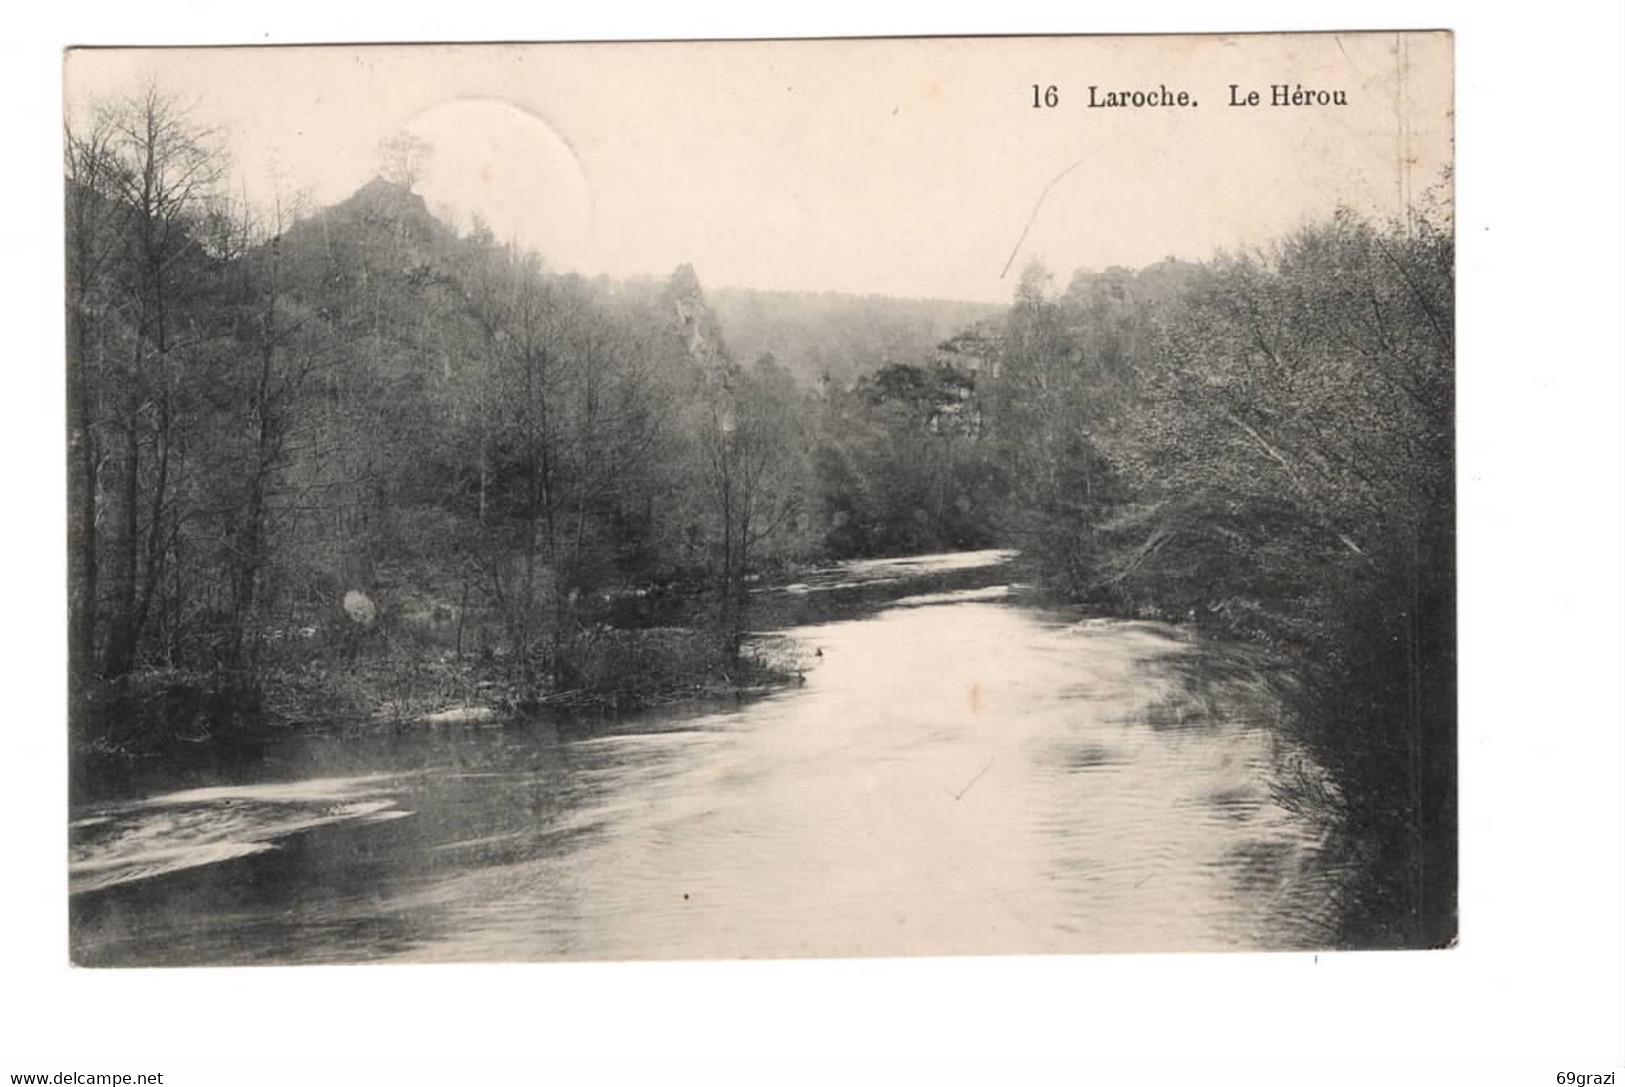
(842, 335)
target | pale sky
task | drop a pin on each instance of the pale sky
(901, 167)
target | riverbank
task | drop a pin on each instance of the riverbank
(397, 676)
(964, 771)
(399, 684)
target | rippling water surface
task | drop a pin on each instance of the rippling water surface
(960, 773)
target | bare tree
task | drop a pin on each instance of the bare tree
(157, 172)
(94, 219)
(403, 158)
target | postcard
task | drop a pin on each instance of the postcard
(760, 499)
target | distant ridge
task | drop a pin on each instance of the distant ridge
(814, 334)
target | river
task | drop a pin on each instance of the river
(961, 772)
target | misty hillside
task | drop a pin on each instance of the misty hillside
(809, 333)
(842, 335)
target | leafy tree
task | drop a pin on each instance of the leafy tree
(1292, 472)
(904, 464)
(1067, 371)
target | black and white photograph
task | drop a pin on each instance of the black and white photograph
(774, 544)
(761, 500)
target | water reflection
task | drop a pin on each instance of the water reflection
(960, 774)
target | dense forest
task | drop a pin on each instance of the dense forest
(348, 462)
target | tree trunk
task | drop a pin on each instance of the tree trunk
(120, 652)
(83, 541)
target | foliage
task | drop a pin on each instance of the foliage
(837, 339)
(522, 480)
(1267, 448)
(904, 465)
(272, 412)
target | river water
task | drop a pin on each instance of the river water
(961, 772)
